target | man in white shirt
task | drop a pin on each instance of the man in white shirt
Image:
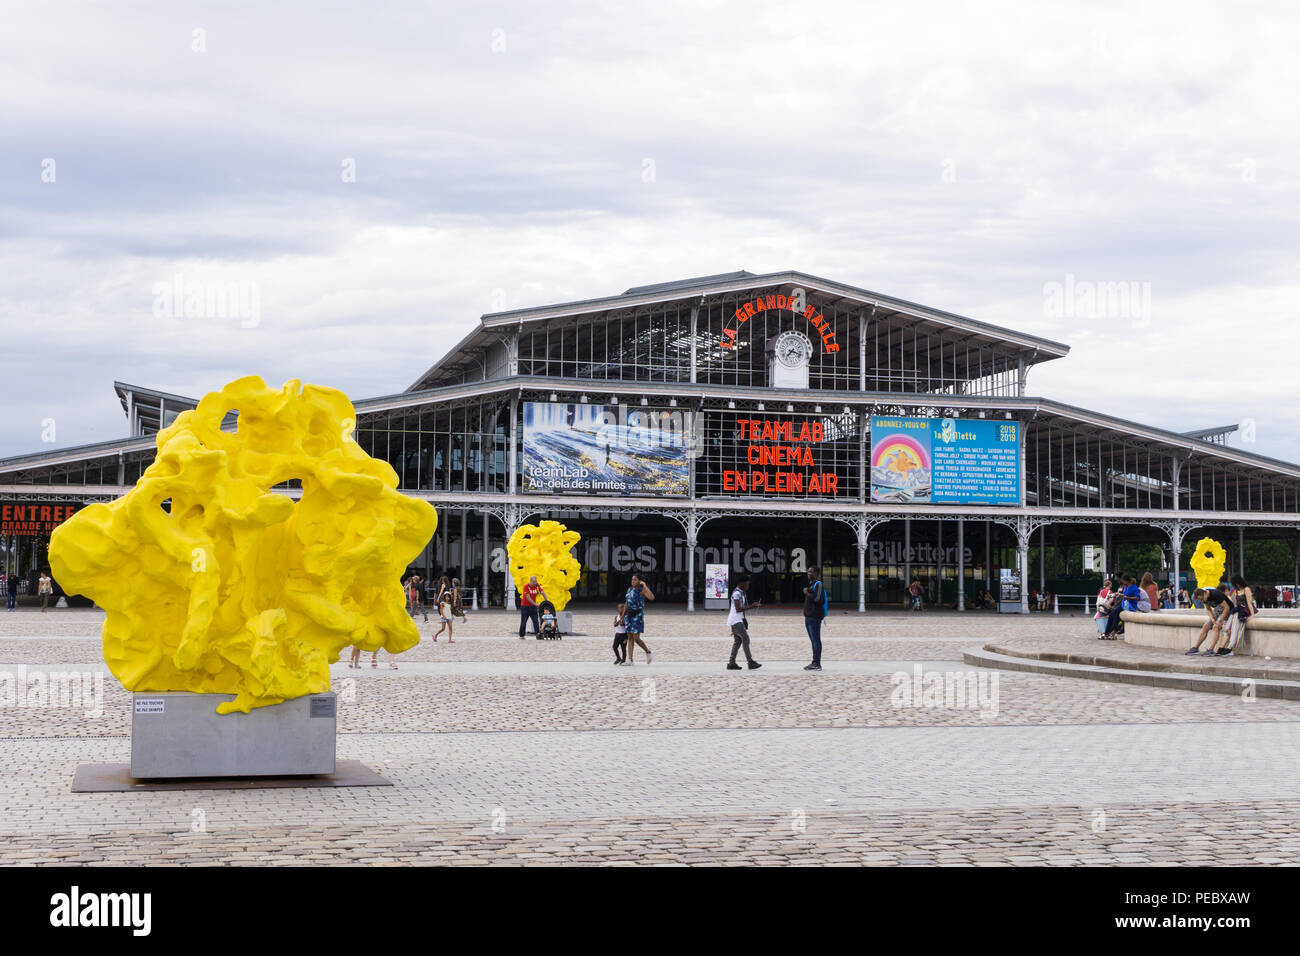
(739, 626)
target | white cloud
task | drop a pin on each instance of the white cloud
(962, 156)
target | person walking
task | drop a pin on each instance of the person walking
(530, 597)
(814, 612)
(457, 601)
(637, 594)
(414, 602)
(620, 635)
(11, 587)
(444, 615)
(740, 624)
(914, 596)
(45, 588)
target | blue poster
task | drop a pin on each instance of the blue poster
(945, 460)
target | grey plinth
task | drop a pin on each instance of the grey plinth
(181, 735)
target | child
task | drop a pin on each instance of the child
(1101, 615)
(548, 618)
(620, 635)
(444, 615)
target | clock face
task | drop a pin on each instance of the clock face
(793, 349)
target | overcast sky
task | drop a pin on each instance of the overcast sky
(383, 173)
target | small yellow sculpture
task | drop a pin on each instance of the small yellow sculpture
(546, 551)
(237, 589)
(1208, 563)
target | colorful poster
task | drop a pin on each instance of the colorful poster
(606, 448)
(900, 460)
(715, 582)
(1009, 591)
(945, 460)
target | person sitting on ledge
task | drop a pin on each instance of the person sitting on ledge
(1217, 603)
(1132, 594)
(1241, 609)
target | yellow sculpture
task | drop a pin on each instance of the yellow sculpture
(546, 551)
(1208, 563)
(237, 589)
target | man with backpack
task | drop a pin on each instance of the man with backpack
(815, 605)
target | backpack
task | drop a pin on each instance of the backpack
(825, 601)
(1144, 602)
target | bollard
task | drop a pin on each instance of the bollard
(474, 605)
(1056, 604)
(1085, 605)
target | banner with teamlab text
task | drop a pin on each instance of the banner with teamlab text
(945, 460)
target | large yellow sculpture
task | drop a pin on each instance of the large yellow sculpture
(546, 551)
(1208, 563)
(235, 588)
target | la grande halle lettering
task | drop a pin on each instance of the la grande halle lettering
(762, 303)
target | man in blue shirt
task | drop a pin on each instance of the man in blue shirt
(1131, 594)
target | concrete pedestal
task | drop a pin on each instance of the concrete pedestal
(179, 735)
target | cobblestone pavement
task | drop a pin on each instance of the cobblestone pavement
(513, 751)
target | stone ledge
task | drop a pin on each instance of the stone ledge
(1206, 683)
(1207, 666)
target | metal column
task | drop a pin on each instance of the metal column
(862, 575)
(692, 529)
(1105, 551)
(961, 564)
(445, 558)
(1042, 559)
(938, 559)
(695, 315)
(907, 553)
(464, 546)
(483, 577)
(988, 555)
(1022, 552)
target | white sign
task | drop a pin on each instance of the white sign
(715, 582)
(149, 705)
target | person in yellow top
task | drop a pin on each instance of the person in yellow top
(45, 587)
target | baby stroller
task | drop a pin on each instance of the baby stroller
(550, 631)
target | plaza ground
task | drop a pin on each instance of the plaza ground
(509, 751)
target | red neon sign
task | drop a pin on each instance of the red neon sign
(763, 303)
